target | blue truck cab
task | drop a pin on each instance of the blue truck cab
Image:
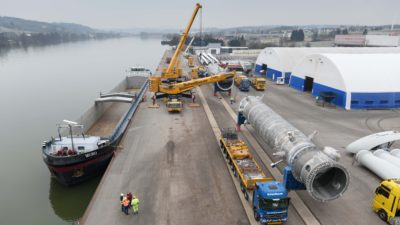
(244, 84)
(270, 202)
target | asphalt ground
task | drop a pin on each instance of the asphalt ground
(336, 128)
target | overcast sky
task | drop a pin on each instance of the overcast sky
(216, 13)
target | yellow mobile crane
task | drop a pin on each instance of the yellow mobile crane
(169, 73)
(170, 84)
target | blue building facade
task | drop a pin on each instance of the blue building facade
(272, 73)
(299, 84)
(358, 100)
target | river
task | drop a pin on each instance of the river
(39, 87)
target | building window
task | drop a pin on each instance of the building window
(354, 102)
(81, 148)
(383, 102)
(369, 102)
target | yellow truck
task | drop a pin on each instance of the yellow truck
(387, 201)
(241, 161)
(258, 83)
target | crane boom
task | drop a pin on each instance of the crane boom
(174, 59)
(190, 43)
(178, 88)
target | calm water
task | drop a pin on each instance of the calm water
(38, 88)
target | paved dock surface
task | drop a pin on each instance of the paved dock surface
(224, 120)
(172, 163)
(337, 128)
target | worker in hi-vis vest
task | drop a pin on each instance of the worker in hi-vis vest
(125, 204)
(135, 205)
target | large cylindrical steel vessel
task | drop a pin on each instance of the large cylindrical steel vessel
(324, 178)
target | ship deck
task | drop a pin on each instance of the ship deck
(106, 124)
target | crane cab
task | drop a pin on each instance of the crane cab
(387, 200)
(174, 104)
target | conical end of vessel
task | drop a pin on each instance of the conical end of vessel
(327, 181)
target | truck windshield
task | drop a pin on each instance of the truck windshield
(174, 105)
(273, 204)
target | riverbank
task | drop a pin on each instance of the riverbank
(40, 87)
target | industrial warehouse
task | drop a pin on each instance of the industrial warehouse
(359, 78)
(359, 81)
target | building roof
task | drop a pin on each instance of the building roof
(214, 45)
(352, 73)
(367, 72)
(284, 59)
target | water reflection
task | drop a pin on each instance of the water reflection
(69, 203)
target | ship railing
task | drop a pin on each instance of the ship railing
(123, 123)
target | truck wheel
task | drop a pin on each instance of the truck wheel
(242, 187)
(382, 214)
(246, 195)
(256, 216)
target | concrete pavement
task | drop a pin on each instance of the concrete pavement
(337, 128)
(171, 162)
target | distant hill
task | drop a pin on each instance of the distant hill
(17, 25)
(16, 32)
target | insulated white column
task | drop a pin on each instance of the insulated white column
(395, 152)
(379, 166)
(385, 155)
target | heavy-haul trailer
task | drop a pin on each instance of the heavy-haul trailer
(270, 199)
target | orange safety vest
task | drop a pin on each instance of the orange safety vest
(125, 202)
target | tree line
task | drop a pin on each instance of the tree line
(10, 39)
(198, 41)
